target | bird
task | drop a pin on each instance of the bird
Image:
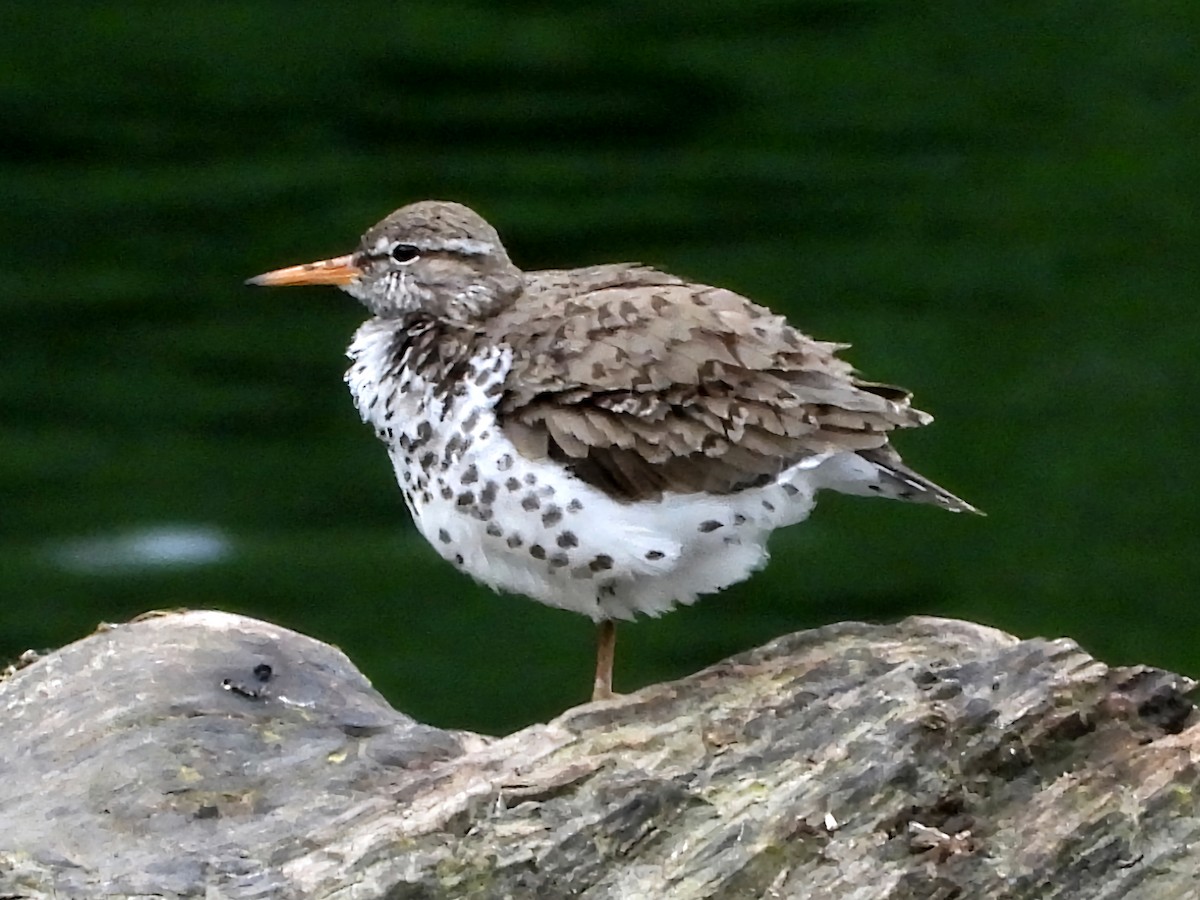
(612, 440)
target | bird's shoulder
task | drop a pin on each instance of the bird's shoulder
(616, 326)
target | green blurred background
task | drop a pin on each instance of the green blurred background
(995, 203)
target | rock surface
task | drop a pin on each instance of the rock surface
(205, 754)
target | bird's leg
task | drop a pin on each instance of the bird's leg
(606, 644)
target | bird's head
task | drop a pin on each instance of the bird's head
(432, 257)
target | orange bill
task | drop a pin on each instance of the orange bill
(339, 270)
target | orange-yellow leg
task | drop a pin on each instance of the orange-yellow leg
(606, 645)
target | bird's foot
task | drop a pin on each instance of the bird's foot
(604, 692)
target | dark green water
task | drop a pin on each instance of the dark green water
(996, 203)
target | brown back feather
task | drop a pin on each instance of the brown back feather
(643, 383)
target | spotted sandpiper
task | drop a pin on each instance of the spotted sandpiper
(611, 440)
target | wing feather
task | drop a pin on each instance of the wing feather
(644, 383)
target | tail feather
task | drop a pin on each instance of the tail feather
(898, 481)
(878, 472)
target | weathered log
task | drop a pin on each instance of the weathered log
(206, 754)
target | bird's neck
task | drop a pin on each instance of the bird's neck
(414, 369)
(435, 349)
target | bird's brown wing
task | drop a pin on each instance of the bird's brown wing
(643, 383)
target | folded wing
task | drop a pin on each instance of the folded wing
(643, 383)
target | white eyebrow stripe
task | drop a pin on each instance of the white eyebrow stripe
(469, 246)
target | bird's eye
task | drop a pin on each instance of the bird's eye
(405, 253)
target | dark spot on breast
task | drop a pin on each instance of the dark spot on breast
(791, 490)
(493, 530)
(874, 487)
(530, 478)
(512, 484)
(458, 559)
(472, 420)
(447, 492)
(768, 506)
(537, 551)
(504, 463)
(567, 539)
(466, 498)
(552, 516)
(575, 506)
(601, 563)
(515, 541)
(427, 460)
(444, 536)
(739, 519)
(488, 494)
(558, 560)
(471, 475)
(530, 502)
(709, 525)
(653, 555)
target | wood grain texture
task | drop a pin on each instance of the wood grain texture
(927, 759)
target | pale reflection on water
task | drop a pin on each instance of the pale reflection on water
(159, 546)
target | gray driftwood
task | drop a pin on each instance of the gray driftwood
(202, 754)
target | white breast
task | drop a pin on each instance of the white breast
(533, 528)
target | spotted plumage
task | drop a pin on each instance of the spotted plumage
(611, 440)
